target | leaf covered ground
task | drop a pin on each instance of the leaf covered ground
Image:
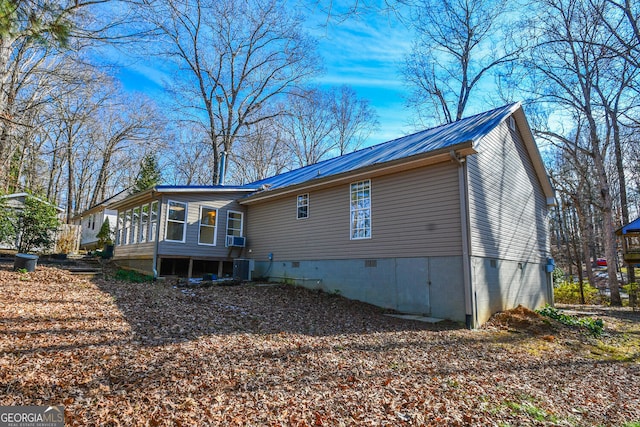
(117, 353)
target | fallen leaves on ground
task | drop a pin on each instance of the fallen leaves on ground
(116, 353)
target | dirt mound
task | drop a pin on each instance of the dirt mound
(520, 319)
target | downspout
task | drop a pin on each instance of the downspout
(465, 232)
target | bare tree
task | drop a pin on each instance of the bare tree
(260, 154)
(622, 20)
(190, 160)
(324, 123)
(571, 175)
(459, 43)
(355, 119)
(239, 54)
(74, 108)
(572, 63)
(308, 126)
(339, 11)
(127, 127)
(31, 31)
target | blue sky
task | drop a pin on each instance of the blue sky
(364, 52)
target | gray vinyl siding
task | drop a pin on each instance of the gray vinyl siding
(507, 206)
(413, 213)
(190, 248)
(223, 202)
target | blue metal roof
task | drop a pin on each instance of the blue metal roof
(468, 129)
(632, 227)
(203, 188)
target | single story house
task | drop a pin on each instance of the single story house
(449, 222)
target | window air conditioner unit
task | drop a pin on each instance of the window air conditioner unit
(236, 241)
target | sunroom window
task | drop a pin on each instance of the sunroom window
(127, 227)
(135, 225)
(144, 223)
(153, 221)
(176, 221)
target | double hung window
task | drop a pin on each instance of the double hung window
(303, 206)
(176, 221)
(208, 219)
(234, 223)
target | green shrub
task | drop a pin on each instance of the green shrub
(633, 290)
(594, 326)
(558, 275)
(569, 293)
(132, 276)
(31, 228)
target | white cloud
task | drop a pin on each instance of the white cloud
(366, 53)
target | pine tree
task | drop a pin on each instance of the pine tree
(149, 175)
(105, 235)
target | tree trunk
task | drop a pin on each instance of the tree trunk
(577, 251)
(622, 180)
(608, 232)
(70, 177)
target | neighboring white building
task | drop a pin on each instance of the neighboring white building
(92, 219)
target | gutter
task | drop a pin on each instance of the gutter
(372, 170)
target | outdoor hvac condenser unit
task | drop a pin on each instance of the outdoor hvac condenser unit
(242, 269)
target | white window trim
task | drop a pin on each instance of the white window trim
(241, 224)
(152, 233)
(370, 211)
(127, 227)
(143, 235)
(166, 223)
(298, 206)
(119, 228)
(135, 225)
(215, 227)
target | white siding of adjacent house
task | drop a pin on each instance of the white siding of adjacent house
(413, 213)
(89, 234)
